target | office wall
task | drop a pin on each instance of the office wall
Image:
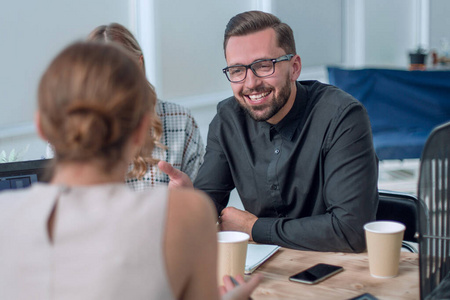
(31, 33)
(317, 27)
(189, 40)
(439, 24)
(390, 32)
(189, 45)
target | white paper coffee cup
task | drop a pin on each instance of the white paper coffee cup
(232, 252)
(384, 243)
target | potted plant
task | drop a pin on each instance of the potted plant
(417, 59)
(13, 155)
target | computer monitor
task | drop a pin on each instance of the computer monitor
(15, 175)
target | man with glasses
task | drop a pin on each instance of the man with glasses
(299, 153)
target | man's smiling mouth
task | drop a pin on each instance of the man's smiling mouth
(257, 97)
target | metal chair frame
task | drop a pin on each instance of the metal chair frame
(434, 220)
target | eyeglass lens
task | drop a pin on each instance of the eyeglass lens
(260, 68)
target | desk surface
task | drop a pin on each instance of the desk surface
(353, 281)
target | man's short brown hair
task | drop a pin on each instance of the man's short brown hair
(254, 21)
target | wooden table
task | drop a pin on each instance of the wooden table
(353, 281)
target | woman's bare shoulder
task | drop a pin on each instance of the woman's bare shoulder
(190, 241)
(189, 204)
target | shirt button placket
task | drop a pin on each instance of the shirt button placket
(272, 174)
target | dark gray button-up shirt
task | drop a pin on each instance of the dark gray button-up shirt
(311, 179)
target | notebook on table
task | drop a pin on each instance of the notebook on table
(257, 254)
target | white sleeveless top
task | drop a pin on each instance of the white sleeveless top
(107, 243)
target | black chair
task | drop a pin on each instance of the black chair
(400, 207)
(434, 221)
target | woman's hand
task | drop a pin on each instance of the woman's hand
(240, 291)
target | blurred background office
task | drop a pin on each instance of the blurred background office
(182, 42)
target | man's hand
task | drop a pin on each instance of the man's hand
(235, 219)
(177, 178)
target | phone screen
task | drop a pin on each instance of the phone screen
(316, 273)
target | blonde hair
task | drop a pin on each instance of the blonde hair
(91, 99)
(119, 34)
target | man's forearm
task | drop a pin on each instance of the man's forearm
(319, 233)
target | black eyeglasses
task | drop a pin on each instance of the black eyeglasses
(261, 68)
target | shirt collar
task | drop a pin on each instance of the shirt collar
(289, 124)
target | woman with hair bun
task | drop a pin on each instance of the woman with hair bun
(85, 234)
(174, 130)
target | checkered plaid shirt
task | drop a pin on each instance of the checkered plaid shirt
(185, 146)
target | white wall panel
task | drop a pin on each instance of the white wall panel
(439, 23)
(390, 32)
(31, 34)
(317, 27)
(189, 37)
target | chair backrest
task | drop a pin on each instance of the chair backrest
(400, 207)
(434, 222)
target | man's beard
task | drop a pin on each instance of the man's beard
(276, 104)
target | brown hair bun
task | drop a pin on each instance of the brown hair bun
(91, 99)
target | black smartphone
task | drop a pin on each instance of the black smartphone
(366, 296)
(316, 273)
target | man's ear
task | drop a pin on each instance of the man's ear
(141, 61)
(37, 123)
(296, 67)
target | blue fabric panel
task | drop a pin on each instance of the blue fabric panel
(403, 106)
